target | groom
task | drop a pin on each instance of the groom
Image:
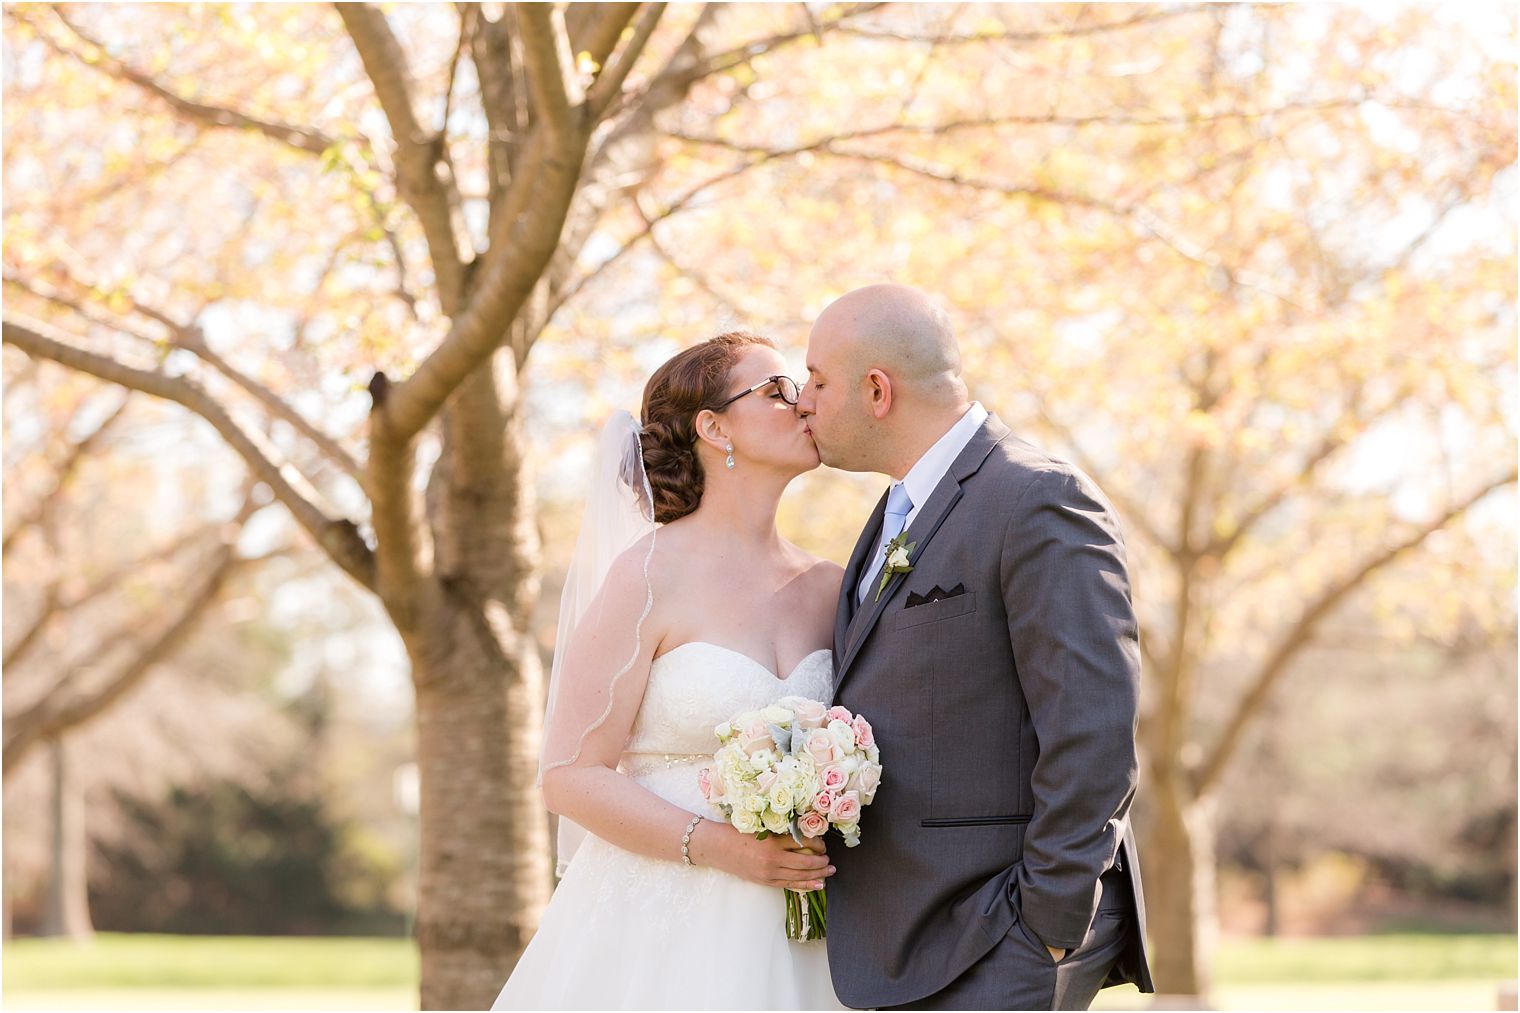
(1000, 668)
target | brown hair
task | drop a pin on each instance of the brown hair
(689, 381)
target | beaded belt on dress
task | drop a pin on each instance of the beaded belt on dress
(644, 763)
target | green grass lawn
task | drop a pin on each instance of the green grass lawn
(236, 972)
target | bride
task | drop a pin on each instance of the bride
(683, 606)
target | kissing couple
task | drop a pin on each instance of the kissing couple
(983, 624)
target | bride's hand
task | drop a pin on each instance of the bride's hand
(775, 861)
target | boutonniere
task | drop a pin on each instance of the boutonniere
(897, 551)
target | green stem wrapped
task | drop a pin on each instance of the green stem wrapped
(806, 914)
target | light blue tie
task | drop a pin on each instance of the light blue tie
(899, 505)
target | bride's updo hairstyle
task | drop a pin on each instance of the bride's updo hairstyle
(691, 380)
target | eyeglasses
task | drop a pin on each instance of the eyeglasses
(785, 386)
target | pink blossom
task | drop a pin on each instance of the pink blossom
(823, 801)
(863, 733)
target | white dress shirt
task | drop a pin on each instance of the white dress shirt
(930, 468)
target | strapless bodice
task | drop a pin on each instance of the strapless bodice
(693, 688)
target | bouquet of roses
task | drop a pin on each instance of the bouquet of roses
(800, 768)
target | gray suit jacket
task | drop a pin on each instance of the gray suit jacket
(1006, 717)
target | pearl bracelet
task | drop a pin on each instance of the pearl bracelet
(686, 839)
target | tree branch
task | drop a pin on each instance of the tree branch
(731, 58)
(594, 28)
(55, 603)
(339, 538)
(76, 453)
(191, 338)
(609, 82)
(1289, 644)
(1047, 119)
(1075, 31)
(302, 138)
(553, 88)
(419, 154)
(49, 717)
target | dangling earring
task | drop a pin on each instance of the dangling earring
(730, 461)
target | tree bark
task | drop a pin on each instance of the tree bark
(485, 874)
(483, 867)
(68, 907)
(1179, 890)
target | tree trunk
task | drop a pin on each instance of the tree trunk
(1179, 890)
(67, 912)
(484, 868)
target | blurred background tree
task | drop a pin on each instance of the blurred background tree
(143, 682)
(1252, 267)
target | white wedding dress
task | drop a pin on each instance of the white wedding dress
(624, 931)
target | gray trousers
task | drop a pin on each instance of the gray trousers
(1019, 974)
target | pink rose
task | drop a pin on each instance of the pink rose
(823, 801)
(838, 713)
(809, 714)
(846, 808)
(832, 777)
(704, 781)
(756, 737)
(813, 825)
(819, 745)
(863, 734)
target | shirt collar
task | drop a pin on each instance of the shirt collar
(931, 467)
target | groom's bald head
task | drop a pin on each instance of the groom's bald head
(884, 374)
(899, 330)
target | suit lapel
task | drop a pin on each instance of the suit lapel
(845, 613)
(928, 521)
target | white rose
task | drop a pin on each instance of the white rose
(723, 731)
(776, 714)
(755, 803)
(842, 734)
(898, 557)
(746, 822)
(776, 823)
(781, 797)
(870, 777)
